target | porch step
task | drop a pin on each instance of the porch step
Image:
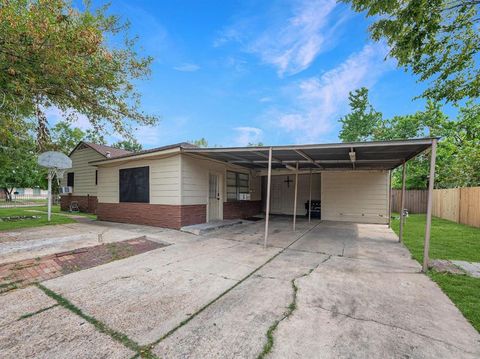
(202, 228)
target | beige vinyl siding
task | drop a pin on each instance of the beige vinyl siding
(84, 173)
(283, 194)
(195, 172)
(355, 196)
(164, 180)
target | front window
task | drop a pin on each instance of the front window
(135, 185)
(237, 183)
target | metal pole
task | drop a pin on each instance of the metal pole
(49, 203)
(402, 203)
(295, 200)
(269, 182)
(310, 199)
(428, 225)
(390, 199)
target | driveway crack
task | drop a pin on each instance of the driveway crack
(267, 348)
(336, 312)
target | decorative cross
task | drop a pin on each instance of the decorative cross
(287, 181)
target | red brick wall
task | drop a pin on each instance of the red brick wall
(160, 215)
(85, 203)
(241, 209)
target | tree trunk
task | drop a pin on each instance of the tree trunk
(8, 194)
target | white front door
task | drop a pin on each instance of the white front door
(213, 197)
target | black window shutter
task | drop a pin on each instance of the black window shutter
(135, 185)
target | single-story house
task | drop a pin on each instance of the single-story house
(83, 177)
(181, 184)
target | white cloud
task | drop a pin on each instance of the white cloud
(320, 101)
(248, 135)
(290, 41)
(293, 47)
(187, 67)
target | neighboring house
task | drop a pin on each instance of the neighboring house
(180, 184)
(82, 177)
(36, 192)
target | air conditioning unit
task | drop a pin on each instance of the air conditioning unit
(66, 189)
(244, 196)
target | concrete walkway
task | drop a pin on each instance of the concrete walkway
(329, 290)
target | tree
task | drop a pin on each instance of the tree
(18, 159)
(64, 137)
(201, 142)
(438, 40)
(131, 145)
(458, 151)
(363, 121)
(54, 55)
(95, 137)
(255, 144)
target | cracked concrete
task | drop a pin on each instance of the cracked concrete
(217, 295)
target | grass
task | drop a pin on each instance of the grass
(464, 291)
(449, 240)
(27, 223)
(56, 209)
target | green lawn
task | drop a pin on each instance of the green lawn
(56, 209)
(24, 211)
(448, 240)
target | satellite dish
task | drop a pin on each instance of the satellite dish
(54, 160)
(57, 163)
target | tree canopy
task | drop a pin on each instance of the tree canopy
(18, 159)
(362, 122)
(438, 40)
(54, 55)
(130, 145)
(458, 163)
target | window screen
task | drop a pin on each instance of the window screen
(70, 179)
(135, 185)
(96, 177)
(236, 183)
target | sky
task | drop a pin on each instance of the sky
(276, 72)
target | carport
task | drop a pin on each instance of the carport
(325, 158)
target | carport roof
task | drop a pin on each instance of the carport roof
(375, 155)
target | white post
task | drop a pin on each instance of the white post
(428, 225)
(49, 203)
(402, 203)
(310, 199)
(295, 200)
(390, 199)
(269, 182)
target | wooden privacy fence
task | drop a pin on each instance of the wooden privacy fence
(415, 200)
(460, 205)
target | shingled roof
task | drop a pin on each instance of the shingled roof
(102, 149)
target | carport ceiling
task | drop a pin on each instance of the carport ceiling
(378, 155)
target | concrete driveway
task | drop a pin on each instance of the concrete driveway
(328, 290)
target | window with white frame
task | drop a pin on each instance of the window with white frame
(237, 183)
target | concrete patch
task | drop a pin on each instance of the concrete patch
(236, 324)
(147, 295)
(473, 269)
(354, 300)
(57, 333)
(202, 228)
(233, 327)
(316, 333)
(36, 242)
(20, 302)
